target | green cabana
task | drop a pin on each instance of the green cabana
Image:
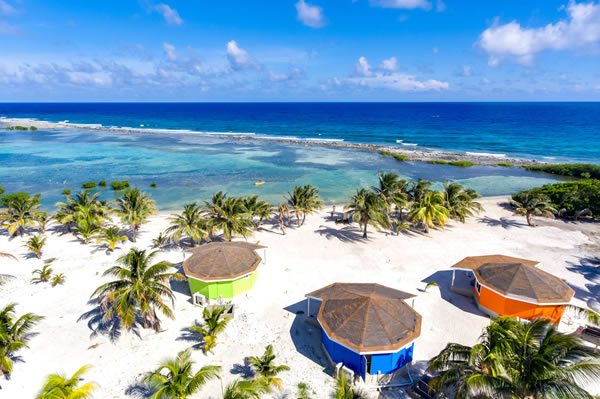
(223, 269)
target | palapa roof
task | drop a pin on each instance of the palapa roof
(524, 281)
(217, 261)
(473, 262)
(367, 317)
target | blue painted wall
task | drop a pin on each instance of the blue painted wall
(339, 353)
(389, 362)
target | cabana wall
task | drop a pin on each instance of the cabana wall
(223, 289)
(496, 305)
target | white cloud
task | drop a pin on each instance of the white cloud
(170, 15)
(405, 4)
(440, 6)
(6, 9)
(391, 64)
(310, 15)
(238, 57)
(170, 51)
(399, 82)
(363, 68)
(466, 71)
(581, 28)
(292, 75)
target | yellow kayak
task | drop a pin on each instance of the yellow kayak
(260, 183)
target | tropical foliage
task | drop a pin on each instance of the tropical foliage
(189, 223)
(246, 389)
(304, 200)
(59, 386)
(583, 170)
(134, 208)
(111, 236)
(215, 321)
(85, 212)
(517, 360)
(42, 275)
(21, 211)
(430, 209)
(175, 378)
(138, 290)
(230, 216)
(264, 367)
(459, 202)
(35, 244)
(345, 390)
(533, 204)
(15, 332)
(258, 209)
(369, 208)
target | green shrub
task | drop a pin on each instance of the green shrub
(397, 157)
(20, 128)
(458, 164)
(102, 183)
(9, 128)
(119, 185)
(153, 185)
(32, 128)
(6, 199)
(66, 192)
(505, 164)
(437, 162)
(89, 184)
(572, 197)
(1, 190)
(583, 170)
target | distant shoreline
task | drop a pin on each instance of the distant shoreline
(410, 154)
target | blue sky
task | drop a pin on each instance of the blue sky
(299, 50)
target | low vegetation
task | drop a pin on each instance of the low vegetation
(89, 185)
(215, 321)
(102, 183)
(458, 164)
(579, 170)
(505, 164)
(15, 333)
(58, 386)
(396, 156)
(119, 185)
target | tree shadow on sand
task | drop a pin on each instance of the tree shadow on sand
(189, 335)
(243, 370)
(345, 234)
(100, 325)
(504, 222)
(139, 390)
(443, 278)
(589, 268)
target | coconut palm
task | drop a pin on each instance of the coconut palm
(304, 391)
(59, 386)
(533, 204)
(188, 223)
(35, 244)
(215, 321)
(58, 279)
(263, 366)
(283, 212)
(138, 291)
(14, 334)
(5, 277)
(392, 190)
(111, 236)
(174, 378)
(231, 217)
(87, 230)
(43, 274)
(258, 209)
(417, 190)
(460, 203)
(518, 360)
(135, 207)
(345, 390)
(246, 389)
(20, 214)
(83, 208)
(429, 210)
(160, 240)
(43, 220)
(369, 208)
(304, 200)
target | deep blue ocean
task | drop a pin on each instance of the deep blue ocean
(173, 147)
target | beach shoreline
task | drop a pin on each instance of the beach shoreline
(411, 154)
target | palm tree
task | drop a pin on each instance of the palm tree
(35, 244)
(159, 241)
(460, 202)
(43, 220)
(392, 190)
(5, 277)
(429, 210)
(58, 279)
(87, 230)
(232, 217)
(258, 208)
(188, 224)
(263, 365)
(43, 274)
(174, 378)
(304, 200)
(369, 208)
(21, 214)
(283, 212)
(517, 360)
(418, 189)
(304, 391)
(61, 387)
(83, 208)
(533, 204)
(111, 236)
(14, 334)
(215, 321)
(138, 291)
(135, 207)
(345, 390)
(246, 389)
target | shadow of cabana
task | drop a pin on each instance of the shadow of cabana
(443, 278)
(306, 334)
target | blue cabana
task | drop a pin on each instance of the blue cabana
(367, 327)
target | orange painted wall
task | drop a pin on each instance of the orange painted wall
(512, 307)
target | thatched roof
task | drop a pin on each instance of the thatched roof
(367, 317)
(222, 260)
(525, 281)
(473, 262)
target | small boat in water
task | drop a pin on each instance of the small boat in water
(259, 183)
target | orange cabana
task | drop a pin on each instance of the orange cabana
(507, 286)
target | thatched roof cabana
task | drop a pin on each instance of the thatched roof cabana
(473, 262)
(219, 261)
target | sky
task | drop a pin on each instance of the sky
(299, 50)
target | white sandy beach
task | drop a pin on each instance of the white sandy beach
(308, 258)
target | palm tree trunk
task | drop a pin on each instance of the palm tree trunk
(298, 217)
(133, 232)
(192, 242)
(365, 230)
(528, 217)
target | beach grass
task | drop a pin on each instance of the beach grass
(119, 185)
(397, 157)
(89, 185)
(505, 164)
(458, 164)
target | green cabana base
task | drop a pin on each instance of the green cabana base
(223, 289)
